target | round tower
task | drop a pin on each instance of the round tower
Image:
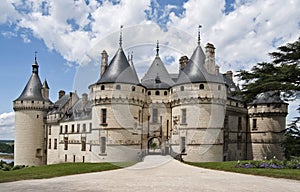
(30, 110)
(267, 121)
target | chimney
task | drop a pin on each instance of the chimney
(104, 62)
(210, 58)
(182, 62)
(61, 93)
(84, 99)
(228, 75)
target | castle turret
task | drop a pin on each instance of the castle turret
(30, 110)
(267, 119)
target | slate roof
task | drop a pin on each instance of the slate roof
(231, 88)
(268, 97)
(157, 76)
(195, 72)
(119, 70)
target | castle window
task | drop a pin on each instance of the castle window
(142, 90)
(83, 159)
(74, 158)
(219, 87)
(32, 101)
(165, 92)
(268, 105)
(240, 123)
(90, 127)
(254, 124)
(154, 115)
(149, 92)
(55, 144)
(83, 144)
(66, 128)
(103, 145)
(103, 113)
(22, 101)
(182, 88)
(73, 128)
(84, 127)
(201, 86)
(102, 87)
(49, 130)
(156, 92)
(49, 144)
(78, 128)
(182, 146)
(37, 116)
(118, 87)
(61, 129)
(65, 143)
(66, 157)
(183, 116)
(133, 88)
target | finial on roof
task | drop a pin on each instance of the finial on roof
(200, 26)
(35, 62)
(121, 28)
(157, 48)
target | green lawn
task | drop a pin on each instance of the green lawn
(229, 166)
(49, 171)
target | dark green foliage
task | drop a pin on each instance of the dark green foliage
(6, 148)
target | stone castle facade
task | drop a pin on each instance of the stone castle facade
(193, 113)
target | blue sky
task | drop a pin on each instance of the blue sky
(70, 35)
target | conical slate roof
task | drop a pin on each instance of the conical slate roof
(157, 76)
(195, 72)
(32, 90)
(45, 84)
(119, 70)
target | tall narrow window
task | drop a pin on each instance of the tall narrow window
(49, 132)
(55, 144)
(254, 124)
(73, 128)
(90, 127)
(49, 143)
(104, 114)
(154, 115)
(183, 116)
(66, 128)
(83, 144)
(78, 128)
(61, 129)
(240, 123)
(66, 143)
(182, 146)
(84, 128)
(103, 145)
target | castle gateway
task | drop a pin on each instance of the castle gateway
(191, 113)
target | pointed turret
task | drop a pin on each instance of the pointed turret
(45, 90)
(119, 69)
(157, 75)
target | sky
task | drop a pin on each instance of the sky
(70, 35)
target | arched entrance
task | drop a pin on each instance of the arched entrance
(154, 145)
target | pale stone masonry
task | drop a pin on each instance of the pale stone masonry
(192, 113)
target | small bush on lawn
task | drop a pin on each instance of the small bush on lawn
(271, 164)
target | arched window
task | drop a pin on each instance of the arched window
(156, 92)
(201, 86)
(133, 88)
(182, 88)
(118, 87)
(149, 92)
(165, 92)
(102, 87)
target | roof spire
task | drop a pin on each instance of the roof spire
(157, 48)
(121, 28)
(200, 26)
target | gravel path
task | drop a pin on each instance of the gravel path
(156, 173)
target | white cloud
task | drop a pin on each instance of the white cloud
(7, 121)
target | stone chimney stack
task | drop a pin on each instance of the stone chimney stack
(84, 99)
(183, 62)
(61, 93)
(229, 75)
(104, 62)
(210, 58)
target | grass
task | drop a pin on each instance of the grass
(49, 171)
(230, 167)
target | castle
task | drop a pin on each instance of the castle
(193, 114)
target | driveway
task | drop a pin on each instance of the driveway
(156, 173)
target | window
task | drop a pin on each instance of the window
(32, 102)
(183, 116)
(182, 88)
(240, 123)
(142, 90)
(103, 144)
(83, 159)
(55, 144)
(49, 131)
(118, 87)
(201, 86)
(66, 157)
(49, 144)
(66, 143)
(165, 92)
(149, 92)
(66, 128)
(102, 87)
(74, 158)
(219, 87)
(133, 88)
(84, 127)
(156, 92)
(83, 144)
(154, 115)
(37, 116)
(90, 127)
(254, 124)
(73, 128)
(104, 113)
(78, 128)
(61, 129)
(182, 146)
